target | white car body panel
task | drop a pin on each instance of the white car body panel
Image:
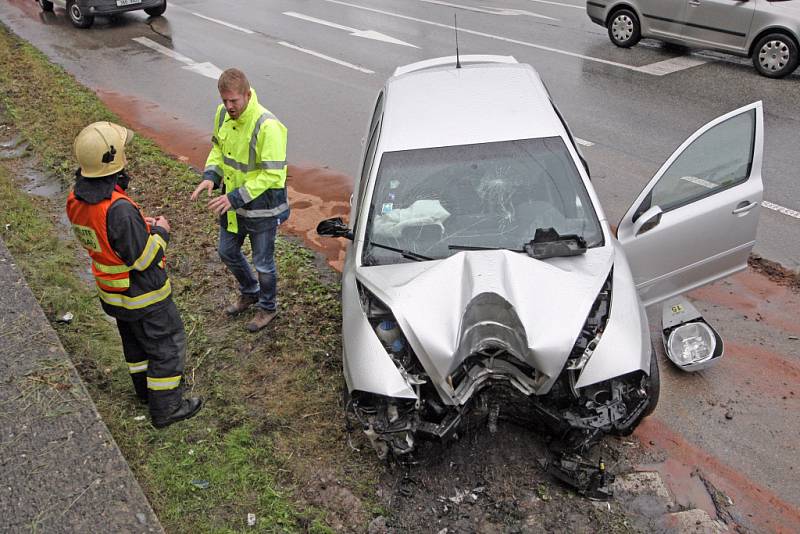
(429, 301)
(546, 328)
(704, 240)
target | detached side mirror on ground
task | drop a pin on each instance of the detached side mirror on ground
(334, 227)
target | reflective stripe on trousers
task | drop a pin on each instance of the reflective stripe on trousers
(137, 367)
(160, 384)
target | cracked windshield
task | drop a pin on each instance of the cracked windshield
(431, 203)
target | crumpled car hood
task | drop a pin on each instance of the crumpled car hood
(473, 300)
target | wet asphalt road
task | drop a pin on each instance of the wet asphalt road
(634, 119)
(165, 81)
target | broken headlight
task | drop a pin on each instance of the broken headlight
(691, 343)
(592, 329)
(388, 331)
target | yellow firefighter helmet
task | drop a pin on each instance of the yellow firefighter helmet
(100, 149)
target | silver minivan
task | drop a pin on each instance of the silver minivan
(766, 30)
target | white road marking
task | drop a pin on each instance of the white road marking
(209, 70)
(560, 4)
(367, 34)
(668, 66)
(661, 71)
(702, 182)
(228, 24)
(583, 142)
(326, 58)
(780, 209)
(164, 50)
(489, 10)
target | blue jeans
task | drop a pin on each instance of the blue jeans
(263, 245)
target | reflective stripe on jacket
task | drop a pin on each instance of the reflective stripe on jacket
(111, 273)
(249, 156)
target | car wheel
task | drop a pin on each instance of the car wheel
(78, 17)
(624, 29)
(655, 385)
(157, 11)
(775, 55)
(46, 5)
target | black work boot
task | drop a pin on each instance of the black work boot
(241, 304)
(187, 408)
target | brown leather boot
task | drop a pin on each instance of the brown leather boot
(261, 319)
(244, 302)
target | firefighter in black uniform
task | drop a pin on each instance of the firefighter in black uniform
(127, 251)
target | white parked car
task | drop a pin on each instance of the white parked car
(484, 281)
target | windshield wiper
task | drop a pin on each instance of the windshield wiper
(477, 247)
(405, 253)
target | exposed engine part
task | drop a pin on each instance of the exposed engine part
(495, 377)
(592, 329)
(588, 479)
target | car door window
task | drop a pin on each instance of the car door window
(720, 158)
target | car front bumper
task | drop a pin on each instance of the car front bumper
(110, 7)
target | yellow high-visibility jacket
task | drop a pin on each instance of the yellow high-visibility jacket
(248, 155)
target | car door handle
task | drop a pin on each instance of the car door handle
(694, 2)
(743, 207)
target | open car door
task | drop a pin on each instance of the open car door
(696, 220)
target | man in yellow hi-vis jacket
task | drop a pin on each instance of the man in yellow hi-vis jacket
(248, 160)
(127, 251)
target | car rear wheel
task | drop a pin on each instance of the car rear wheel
(157, 11)
(775, 55)
(79, 17)
(46, 5)
(624, 29)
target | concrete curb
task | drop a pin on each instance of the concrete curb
(60, 468)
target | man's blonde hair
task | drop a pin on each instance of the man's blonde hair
(233, 80)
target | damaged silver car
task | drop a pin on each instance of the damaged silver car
(484, 282)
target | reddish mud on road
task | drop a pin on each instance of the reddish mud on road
(736, 424)
(749, 310)
(315, 193)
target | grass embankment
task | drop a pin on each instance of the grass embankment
(272, 425)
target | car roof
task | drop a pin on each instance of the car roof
(434, 106)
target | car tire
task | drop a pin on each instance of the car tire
(775, 55)
(624, 29)
(157, 11)
(46, 5)
(655, 384)
(78, 17)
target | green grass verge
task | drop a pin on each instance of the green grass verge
(272, 422)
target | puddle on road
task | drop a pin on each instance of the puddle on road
(41, 185)
(687, 489)
(11, 147)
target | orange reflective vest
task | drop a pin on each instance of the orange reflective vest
(111, 273)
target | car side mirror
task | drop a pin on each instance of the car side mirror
(334, 227)
(647, 221)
